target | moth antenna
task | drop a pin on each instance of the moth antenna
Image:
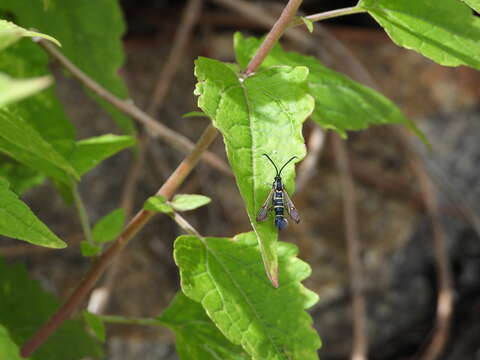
(286, 165)
(275, 166)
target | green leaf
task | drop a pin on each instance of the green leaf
(196, 336)
(11, 33)
(341, 104)
(16, 89)
(22, 142)
(445, 31)
(20, 177)
(88, 153)
(109, 227)
(185, 202)
(260, 114)
(158, 203)
(96, 325)
(8, 349)
(226, 277)
(89, 250)
(474, 4)
(25, 307)
(43, 111)
(308, 23)
(90, 33)
(195, 114)
(19, 222)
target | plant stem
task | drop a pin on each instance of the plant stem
(82, 213)
(329, 15)
(116, 319)
(135, 225)
(274, 34)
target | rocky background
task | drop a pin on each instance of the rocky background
(400, 276)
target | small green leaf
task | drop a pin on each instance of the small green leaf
(19, 222)
(158, 203)
(22, 142)
(195, 114)
(308, 23)
(109, 227)
(96, 325)
(196, 336)
(90, 152)
(185, 202)
(261, 114)
(11, 33)
(89, 250)
(8, 349)
(16, 89)
(25, 306)
(226, 277)
(474, 4)
(341, 104)
(445, 31)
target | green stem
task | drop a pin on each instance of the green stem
(117, 319)
(329, 14)
(82, 214)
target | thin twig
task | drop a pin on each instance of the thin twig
(178, 141)
(329, 15)
(190, 16)
(135, 225)
(444, 279)
(82, 214)
(274, 34)
(360, 340)
(116, 319)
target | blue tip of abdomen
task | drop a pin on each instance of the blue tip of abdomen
(281, 223)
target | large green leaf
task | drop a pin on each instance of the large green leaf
(24, 307)
(260, 114)
(90, 32)
(474, 4)
(445, 31)
(16, 89)
(23, 143)
(341, 104)
(226, 276)
(19, 222)
(8, 349)
(196, 336)
(11, 33)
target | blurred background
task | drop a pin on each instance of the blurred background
(400, 259)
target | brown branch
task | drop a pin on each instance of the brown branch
(274, 34)
(178, 141)
(444, 279)
(135, 225)
(360, 340)
(190, 17)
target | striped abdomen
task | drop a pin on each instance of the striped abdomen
(278, 207)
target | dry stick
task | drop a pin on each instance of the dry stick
(272, 37)
(177, 140)
(445, 287)
(101, 295)
(360, 340)
(135, 225)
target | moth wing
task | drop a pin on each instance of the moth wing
(267, 205)
(292, 211)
